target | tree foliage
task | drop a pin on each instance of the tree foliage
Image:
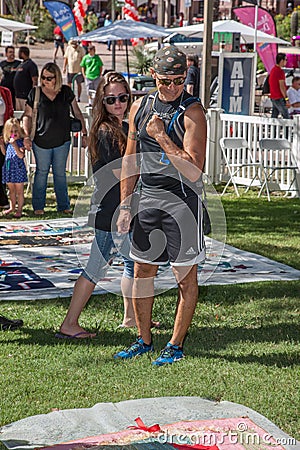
(39, 17)
(142, 59)
(19, 13)
(283, 26)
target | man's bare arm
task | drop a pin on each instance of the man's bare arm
(35, 81)
(282, 88)
(189, 160)
(129, 173)
(130, 170)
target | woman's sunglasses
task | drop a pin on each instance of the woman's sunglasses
(47, 78)
(167, 82)
(111, 99)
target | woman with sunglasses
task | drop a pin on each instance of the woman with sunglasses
(52, 139)
(107, 143)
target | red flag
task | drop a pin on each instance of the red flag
(130, 12)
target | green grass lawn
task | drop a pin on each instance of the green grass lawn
(243, 345)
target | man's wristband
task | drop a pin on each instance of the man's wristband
(125, 207)
(286, 99)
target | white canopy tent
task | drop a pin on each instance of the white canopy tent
(124, 30)
(231, 26)
(289, 50)
(13, 25)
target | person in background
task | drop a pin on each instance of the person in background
(101, 19)
(85, 46)
(28, 17)
(6, 112)
(59, 42)
(72, 59)
(14, 169)
(107, 143)
(91, 66)
(119, 41)
(10, 324)
(8, 67)
(278, 90)
(52, 139)
(192, 81)
(168, 225)
(181, 19)
(293, 93)
(25, 79)
(108, 22)
(90, 22)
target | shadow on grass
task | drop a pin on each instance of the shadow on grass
(272, 311)
(201, 342)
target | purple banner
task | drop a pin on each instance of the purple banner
(265, 23)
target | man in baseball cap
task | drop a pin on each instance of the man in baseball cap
(73, 57)
(168, 225)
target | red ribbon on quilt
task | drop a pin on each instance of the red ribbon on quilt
(142, 426)
(155, 428)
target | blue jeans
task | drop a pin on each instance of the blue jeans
(279, 107)
(45, 158)
(103, 243)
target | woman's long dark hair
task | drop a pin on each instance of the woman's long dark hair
(102, 121)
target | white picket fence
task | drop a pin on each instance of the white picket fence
(252, 129)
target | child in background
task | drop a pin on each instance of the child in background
(14, 169)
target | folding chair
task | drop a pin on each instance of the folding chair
(31, 167)
(240, 164)
(276, 157)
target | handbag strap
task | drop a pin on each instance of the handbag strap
(34, 111)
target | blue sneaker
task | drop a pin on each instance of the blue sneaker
(170, 354)
(137, 348)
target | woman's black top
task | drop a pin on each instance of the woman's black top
(106, 197)
(53, 118)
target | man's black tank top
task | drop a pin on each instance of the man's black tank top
(157, 172)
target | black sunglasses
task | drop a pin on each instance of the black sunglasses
(111, 99)
(47, 78)
(167, 82)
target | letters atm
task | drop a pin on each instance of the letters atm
(237, 82)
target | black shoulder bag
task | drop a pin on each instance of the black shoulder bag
(75, 124)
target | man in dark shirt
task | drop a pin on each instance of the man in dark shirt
(168, 226)
(192, 81)
(8, 67)
(25, 79)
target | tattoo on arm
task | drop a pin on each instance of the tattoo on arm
(133, 135)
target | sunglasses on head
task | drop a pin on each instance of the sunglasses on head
(111, 99)
(47, 78)
(167, 82)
